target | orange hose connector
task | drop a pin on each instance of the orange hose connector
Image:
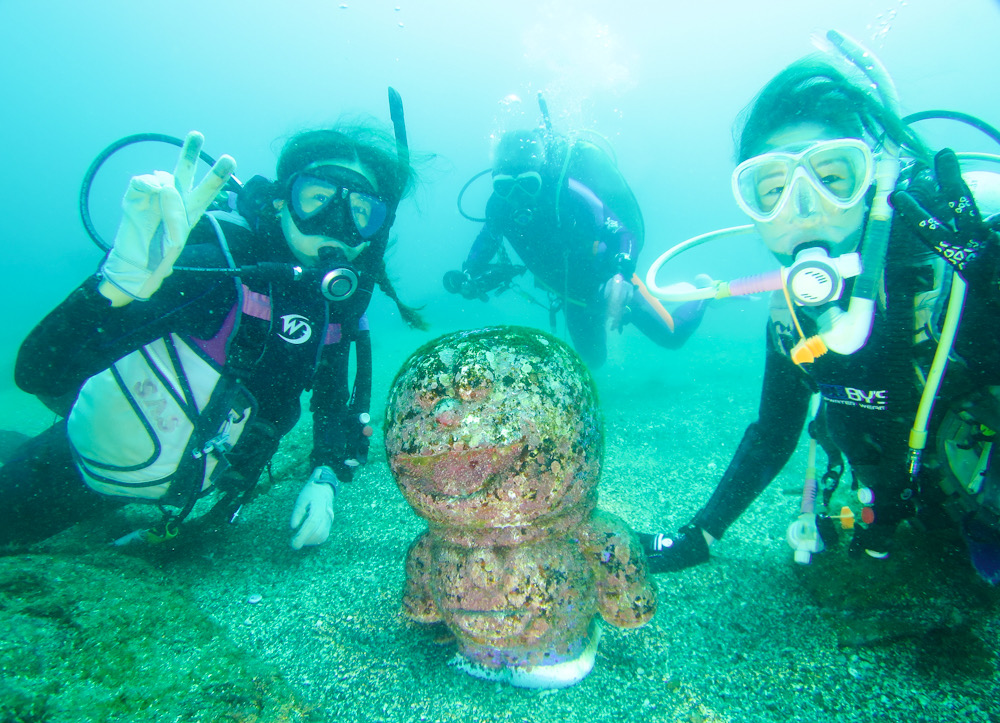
(808, 350)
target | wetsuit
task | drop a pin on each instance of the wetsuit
(870, 397)
(572, 254)
(289, 339)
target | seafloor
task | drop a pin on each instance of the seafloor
(96, 633)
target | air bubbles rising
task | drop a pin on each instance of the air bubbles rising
(883, 24)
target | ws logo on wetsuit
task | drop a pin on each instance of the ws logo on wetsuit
(296, 328)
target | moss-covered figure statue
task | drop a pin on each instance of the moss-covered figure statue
(495, 438)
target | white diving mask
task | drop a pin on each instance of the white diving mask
(839, 171)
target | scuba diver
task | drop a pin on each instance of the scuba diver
(573, 220)
(828, 170)
(179, 365)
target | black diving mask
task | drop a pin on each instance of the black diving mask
(338, 203)
(529, 183)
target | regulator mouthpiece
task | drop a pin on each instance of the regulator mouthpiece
(340, 282)
(523, 216)
(814, 278)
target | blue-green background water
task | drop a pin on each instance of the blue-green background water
(750, 637)
(662, 81)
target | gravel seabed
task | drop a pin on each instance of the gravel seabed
(750, 636)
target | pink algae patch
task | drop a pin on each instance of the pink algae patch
(458, 473)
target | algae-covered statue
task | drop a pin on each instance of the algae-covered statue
(494, 437)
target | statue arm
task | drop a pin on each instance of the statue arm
(418, 602)
(626, 592)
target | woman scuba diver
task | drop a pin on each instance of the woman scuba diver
(819, 158)
(180, 364)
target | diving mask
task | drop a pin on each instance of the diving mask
(338, 203)
(530, 183)
(838, 171)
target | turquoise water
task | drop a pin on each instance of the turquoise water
(96, 634)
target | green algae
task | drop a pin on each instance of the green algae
(106, 637)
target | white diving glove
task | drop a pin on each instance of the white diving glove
(158, 212)
(313, 513)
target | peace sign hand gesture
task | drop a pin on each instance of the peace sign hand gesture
(158, 212)
(961, 236)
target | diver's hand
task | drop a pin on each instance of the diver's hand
(963, 239)
(875, 537)
(874, 541)
(313, 514)
(455, 280)
(358, 433)
(461, 282)
(672, 552)
(158, 212)
(617, 296)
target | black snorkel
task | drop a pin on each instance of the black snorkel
(340, 279)
(381, 240)
(543, 107)
(399, 128)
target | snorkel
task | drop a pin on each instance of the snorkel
(402, 146)
(846, 332)
(340, 278)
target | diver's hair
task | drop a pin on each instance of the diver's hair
(811, 90)
(411, 315)
(372, 145)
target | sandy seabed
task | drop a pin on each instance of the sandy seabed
(233, 625)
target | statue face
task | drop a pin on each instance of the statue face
(494, 428)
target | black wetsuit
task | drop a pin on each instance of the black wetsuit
(290, 338)
(572, 254)
(870, 397)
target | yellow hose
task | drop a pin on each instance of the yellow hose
(918, 434)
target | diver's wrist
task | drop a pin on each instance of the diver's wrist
(112, 293)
